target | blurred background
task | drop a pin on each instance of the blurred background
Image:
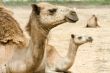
(84, 2)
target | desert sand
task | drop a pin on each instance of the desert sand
(91, 57)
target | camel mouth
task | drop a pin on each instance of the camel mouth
(71, 19)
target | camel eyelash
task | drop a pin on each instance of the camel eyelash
(79, 37)
(52, 11)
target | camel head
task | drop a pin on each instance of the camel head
(94, 17)
(52, 15)
(92, 22)
(79, 40)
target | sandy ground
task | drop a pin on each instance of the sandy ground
(91, 57)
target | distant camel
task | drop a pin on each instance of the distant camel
(59, 64)
(92, 22)
(30, 57)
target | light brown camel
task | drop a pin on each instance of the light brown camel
(30, 58)
(59, 64)
(92, 22)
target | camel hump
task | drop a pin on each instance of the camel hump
(10, 31)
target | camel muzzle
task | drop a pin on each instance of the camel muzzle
(72, 17)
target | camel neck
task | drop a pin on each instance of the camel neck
(37, 31)
(38, 36)
(72, 51)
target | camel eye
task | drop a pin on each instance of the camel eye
(80, 38)
(52, 11)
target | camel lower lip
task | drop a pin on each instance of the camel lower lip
(71, 20)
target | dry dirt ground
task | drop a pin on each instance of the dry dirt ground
(91, 57)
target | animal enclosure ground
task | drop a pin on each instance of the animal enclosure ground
(91, 57)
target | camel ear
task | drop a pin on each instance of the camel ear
(36, 8)
(72, 35)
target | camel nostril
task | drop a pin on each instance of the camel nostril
(72, 12)
(90, 39)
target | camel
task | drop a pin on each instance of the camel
(28, 55)
(92, 22)
(59, 64)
